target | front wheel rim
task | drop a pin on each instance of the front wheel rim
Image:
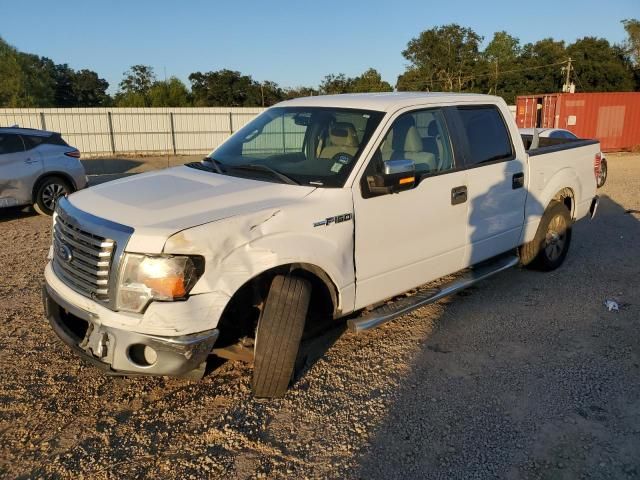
(51, 193)
(556, 238)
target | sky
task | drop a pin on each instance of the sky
(294, 43)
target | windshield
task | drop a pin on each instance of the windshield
(299, 145)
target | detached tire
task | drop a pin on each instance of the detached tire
(550, 246)
(279, 333)
(48, 192)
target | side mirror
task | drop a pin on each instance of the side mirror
(398, 176)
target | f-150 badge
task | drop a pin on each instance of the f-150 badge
(345, 217)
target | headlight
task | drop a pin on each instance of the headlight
(144, 278)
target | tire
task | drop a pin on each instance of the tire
(278, 335)
(603, 174)
(48, 192)
(550, 246)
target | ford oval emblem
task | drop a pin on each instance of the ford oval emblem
(65, 252)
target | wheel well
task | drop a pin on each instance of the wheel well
(240, 317)
(44, 176)
(566, 197)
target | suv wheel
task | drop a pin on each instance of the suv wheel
(48, 192)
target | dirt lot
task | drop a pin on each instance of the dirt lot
(525, 376)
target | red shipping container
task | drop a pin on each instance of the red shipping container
(612, 118)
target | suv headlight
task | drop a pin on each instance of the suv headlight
(144, 278)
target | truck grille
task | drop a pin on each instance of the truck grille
(82, 259)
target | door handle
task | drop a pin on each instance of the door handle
(458, 195)
(30, 160)
(517, 181)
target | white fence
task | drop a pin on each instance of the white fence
(117, 131)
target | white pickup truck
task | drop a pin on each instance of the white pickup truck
(316, 209)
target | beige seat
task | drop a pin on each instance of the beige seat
(342, 138)
(433, 143)
(413, 150)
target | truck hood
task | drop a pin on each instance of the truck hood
(158, 204)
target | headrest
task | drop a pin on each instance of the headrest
(432, 129)
(343, 134)
(400, 129)
(413, 141)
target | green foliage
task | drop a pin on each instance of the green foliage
(442, 58)
(169, 93)
(448, 58)
(369, 81)
(228, 88)
(600, 67)
(28, 80)
(632, 45)
(11, 76)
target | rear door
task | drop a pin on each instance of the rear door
(18, 171)
(495, 180)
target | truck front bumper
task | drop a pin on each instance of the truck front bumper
(119, 351)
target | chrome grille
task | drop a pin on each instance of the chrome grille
(82, 259)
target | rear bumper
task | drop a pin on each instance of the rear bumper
(119, 351)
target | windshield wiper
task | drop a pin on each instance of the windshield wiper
(264, 168)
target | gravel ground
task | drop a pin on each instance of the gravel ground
(526, 375)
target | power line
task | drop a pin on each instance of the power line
(489, 74)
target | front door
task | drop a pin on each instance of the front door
(405, 239)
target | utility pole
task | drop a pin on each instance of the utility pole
(262, 92)
(567, 84)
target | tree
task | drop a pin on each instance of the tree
(90, 90)
(135, 87)
(169, 93)
(541, 67)
(600, 66)
(298, 92)
(501, 57)
(370, 81)
(224, 88)
(335, 84)
(64, 95)
(632, 27)
(442, 58)
(11, 76)
(39, 81)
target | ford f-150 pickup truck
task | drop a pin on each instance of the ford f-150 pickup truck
(326, 207)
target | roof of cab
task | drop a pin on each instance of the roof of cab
(387, 101)
(26, 131)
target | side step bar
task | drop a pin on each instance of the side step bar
(388, 312)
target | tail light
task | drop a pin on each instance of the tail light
(73, 153)
(597, 161)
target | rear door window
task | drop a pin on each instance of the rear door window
(10, 143)
(486, 134)
(32, 141)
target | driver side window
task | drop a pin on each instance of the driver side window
(422, 137)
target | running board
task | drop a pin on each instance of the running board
(388, 312)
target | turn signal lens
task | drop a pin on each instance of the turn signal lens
(404, 181)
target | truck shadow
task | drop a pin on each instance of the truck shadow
(499, 387)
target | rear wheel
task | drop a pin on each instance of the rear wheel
(602, 178)
(48, 192)
(278, 336)
(550, 246)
